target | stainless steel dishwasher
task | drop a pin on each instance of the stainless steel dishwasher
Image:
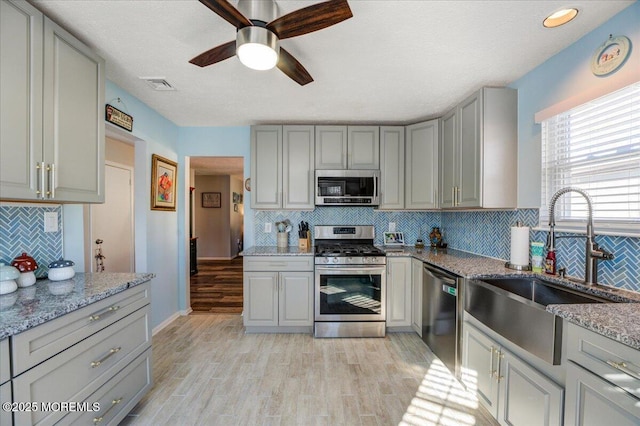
(441, 312)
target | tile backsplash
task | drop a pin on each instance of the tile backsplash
(22, 230)
(482, 232)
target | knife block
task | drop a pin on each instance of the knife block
(305, 243)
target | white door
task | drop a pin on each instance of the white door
(112, 222)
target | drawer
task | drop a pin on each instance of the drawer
(613, 361)
(119, 395)
(44, 341)
(73, 375)
(5, 368)
(6, 417)
(278, 263)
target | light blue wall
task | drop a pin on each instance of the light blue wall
(563, 77)
(209, 142)
(156, 232)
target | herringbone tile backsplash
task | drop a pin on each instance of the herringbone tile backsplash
(482, 232)
(22, 230)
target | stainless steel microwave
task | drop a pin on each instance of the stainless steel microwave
(347, 187)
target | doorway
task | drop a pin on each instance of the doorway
(216, 217)
(112, 222)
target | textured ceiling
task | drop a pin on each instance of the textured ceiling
(233, 166)
(394, 62)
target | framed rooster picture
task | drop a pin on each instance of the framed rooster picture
(164, 175)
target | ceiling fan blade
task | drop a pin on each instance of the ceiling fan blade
(310, 19)
(228, 12)
(292, 68)
(217, 54)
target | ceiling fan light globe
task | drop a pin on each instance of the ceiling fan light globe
(257, 48)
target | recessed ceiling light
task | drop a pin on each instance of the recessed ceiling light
(560, 17)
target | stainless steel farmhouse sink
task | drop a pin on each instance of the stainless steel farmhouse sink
(515, 309)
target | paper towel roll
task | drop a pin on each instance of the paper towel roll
(519, 245)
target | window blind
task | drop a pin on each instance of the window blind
(595, 147)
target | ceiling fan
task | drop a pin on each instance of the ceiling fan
(257, 42)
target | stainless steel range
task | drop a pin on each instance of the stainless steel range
(350, 282)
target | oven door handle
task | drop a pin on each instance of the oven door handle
(342, 268)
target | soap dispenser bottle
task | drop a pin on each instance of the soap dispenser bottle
(550, 262)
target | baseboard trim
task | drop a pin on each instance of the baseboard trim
(186, 312)
(164, 323)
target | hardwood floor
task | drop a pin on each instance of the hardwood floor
(207, 371)
(217, 287)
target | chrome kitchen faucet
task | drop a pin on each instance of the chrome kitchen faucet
(592, 251)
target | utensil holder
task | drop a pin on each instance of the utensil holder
(283, 239)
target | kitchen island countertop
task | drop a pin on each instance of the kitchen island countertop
(46, 300)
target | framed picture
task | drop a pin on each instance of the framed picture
(393, 238)
(237, 198)
(211, 200)
(163, 183)
(235, 207)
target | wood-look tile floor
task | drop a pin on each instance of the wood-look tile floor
(207, 371)
(217, 287)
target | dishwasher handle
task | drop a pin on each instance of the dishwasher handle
(440, 276)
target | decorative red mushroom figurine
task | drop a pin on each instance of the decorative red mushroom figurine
(26, 265)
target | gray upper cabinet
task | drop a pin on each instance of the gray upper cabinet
(297, 167)
(52, 136)
(392, 146)
(20, 99)
(266, 167)
(347, 147)
(282, 159)
(421, 166)
(331, 147)
(73, 117)
(363, 146)
(479, 151)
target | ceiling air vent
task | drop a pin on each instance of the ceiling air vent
(158, 83)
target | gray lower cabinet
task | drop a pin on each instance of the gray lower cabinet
(6, 418)
(603, 380)
(51, 114)
(511, 390)
(416, 295)
(98, 354)
(278, 293)
(398, 303)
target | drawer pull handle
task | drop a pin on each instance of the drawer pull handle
(622, 366)
(110, 309)
(112, 351)
(113, 404)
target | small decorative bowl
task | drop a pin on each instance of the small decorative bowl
(61, 270)
(8, 276)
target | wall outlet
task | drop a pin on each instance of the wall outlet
(392, 227)
(267, 227)
(50, 222)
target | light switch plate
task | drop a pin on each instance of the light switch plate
(50, 222)
(267, 227)
(392, 227)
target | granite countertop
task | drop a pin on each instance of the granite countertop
(277, 251)
(30, 306)
(619, 321)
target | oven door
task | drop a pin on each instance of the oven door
(350, 293)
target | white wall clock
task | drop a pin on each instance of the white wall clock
(611, 55)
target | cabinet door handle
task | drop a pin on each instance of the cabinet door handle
(114, 402)
(52, 180)
(622, 366)
(457, 195)
(40, 180)
(99, 362)
(110, 309)
(492, 371)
